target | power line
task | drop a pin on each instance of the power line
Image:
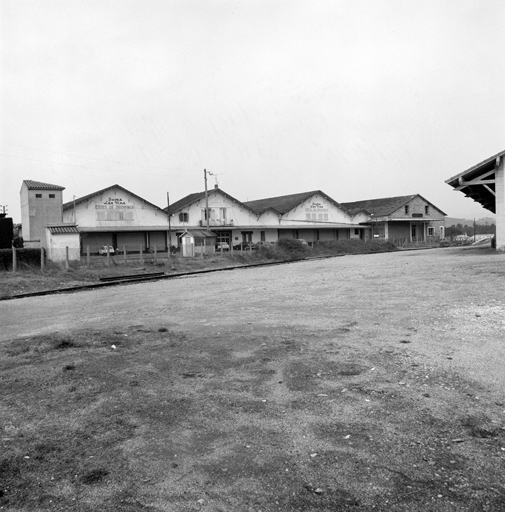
(94, 168)
(80, 156)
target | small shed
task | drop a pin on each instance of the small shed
(59, 237)
(197, 241)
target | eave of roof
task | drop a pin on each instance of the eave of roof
(478, 192)
(475, 170)
(70, 204)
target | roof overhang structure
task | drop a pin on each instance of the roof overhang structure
(479, 182)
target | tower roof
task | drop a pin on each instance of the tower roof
(38, 185)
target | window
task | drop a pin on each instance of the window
(51, 196)
(211, 213)
(356, 231)
(406, 209)
(426, 210)
(38, 195)
(183, 217)
(430, 230)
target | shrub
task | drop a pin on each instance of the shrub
(29, 257)
(289, 249)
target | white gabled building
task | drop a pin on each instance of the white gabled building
(312, 216)
(117, 217)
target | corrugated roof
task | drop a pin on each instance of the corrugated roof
(284, 204)
(63, 230)
(200, 233)
(70, 204)
(384, 206)
(38, 185)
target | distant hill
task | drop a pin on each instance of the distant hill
(484, 221)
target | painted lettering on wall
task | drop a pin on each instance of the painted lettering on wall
(114, 203)
(316, 207)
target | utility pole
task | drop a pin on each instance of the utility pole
(169, 227)
(206, 196)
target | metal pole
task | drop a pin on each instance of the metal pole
(42, 259)
(67, 265)
(87, 256)
(14, 260)
(124, 253)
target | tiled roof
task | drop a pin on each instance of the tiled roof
(197, 196)
(38, 185)
(283, 204)
(70, 204)
(185, 201)
(382, 206)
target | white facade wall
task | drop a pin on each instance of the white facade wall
(116, 208)
(57, 244)
(316, 213)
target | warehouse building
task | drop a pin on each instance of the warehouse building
(311, 216)
(119, 218)
(402, 218)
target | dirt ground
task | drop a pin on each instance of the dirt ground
(367, 382)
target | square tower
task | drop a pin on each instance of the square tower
(41, 204)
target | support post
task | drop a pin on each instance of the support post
(124, 254)
(108, 256)
(87, 256)
(67, 263)
(42, 260)
(500, 204)
(155, 255)
(14, 259)
(141, 255)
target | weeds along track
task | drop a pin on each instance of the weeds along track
(129, 279)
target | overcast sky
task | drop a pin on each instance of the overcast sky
(359, 98)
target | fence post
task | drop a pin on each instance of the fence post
(87, 256)
(124, 254)
(141, 255)
(14, 259)
(67, 265)
(42, 259)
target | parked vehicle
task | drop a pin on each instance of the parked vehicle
(222, 246)
(245, 246)
(265, 244)
(103, 250)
